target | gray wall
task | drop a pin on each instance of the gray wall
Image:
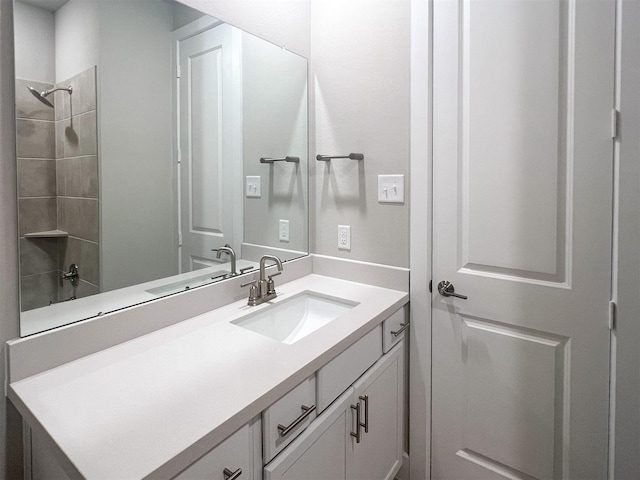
(360, 61)
(138, 227)
(10, 423)
(35, 55)
(626, 287)
(76, 38)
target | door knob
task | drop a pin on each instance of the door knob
(446, 289)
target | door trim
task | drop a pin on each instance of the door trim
(420, 239)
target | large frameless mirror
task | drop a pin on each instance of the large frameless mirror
(152, 141)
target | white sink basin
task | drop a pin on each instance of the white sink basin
(294, 318)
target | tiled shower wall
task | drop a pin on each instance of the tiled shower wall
(36, 197)
(58, 189)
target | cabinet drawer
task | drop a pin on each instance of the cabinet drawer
(392, 329)
(337, 375)
(288, 417)
(237, 457)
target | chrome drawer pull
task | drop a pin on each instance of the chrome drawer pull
(306, 411)
(398, 332)
(365, 399)
(356, 435)
(229, 475)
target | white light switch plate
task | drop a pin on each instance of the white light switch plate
(253, 186)
(391, 188)
(284, 230)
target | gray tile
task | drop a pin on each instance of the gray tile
(36, 178)
(27, 106)
(85, 254)
(63, 104)
(35, 138)
(79, 135)
(38, 290)
(61, 172)
(83, 97)
(38, 255)
(59, 139)
(81, 177)
(36, 215)
(79, 217)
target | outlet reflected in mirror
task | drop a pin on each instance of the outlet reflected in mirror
(147, 158)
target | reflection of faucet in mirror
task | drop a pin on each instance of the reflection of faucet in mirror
(72, 275)
(227, 249)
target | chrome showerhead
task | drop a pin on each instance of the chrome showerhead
(42, 96)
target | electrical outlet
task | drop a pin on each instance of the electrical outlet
(391, 188)
(253, 186)
(344, 237)
(284, 230)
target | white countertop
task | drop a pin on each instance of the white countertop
(151, 406)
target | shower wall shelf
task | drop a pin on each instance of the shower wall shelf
(47, 234)
(285, 159)
(351, 156)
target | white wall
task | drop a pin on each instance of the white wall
(34, 43)
(10, 422)
(274, 86)
(360, 63)
(76, 38)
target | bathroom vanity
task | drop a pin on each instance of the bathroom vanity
(225, 395)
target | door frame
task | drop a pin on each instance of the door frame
(624, 406)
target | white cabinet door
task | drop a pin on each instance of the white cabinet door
(239, 456)
(320, 452)
(379, 393)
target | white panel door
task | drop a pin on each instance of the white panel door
(522, 153)
(210, 143)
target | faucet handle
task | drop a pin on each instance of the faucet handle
(271, 286)
(253, 291)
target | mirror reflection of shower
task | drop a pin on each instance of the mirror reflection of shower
(42, 96)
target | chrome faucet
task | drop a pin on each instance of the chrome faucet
(72, 275)
(227, 249)
(263, 289)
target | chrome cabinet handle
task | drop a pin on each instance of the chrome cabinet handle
(365, 399)
(306, 411)
(356, 434)
(403, 326)
(229, 475)
(446, 289)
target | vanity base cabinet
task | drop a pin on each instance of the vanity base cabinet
(237, 457)
(329, 449)
(380, 395)
(42, 464)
